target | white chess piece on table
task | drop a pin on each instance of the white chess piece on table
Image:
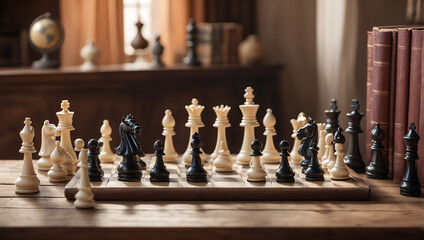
(270, 154)
(47, 145)
(65, 127)
(223, 162)
(321, 141)
(194, 123)
(79, 147)
(331, 159)
(249, 122)
(56, 172)
(296, 124)
(221, 123)
(106, 155)
(84, 197)
(339, 170)
(90, 53)
(67, 163)
(27, 181)
(328, 139)
(168, 124)
(256, 173)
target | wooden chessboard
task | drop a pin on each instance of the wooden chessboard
(221, 186)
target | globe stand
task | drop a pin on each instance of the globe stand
(45, 62)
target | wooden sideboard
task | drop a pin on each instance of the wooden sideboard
(112, 92)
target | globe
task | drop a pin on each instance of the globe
(45, 33)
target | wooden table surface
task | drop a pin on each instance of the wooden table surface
(387, 215)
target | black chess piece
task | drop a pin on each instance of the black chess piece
(314, 171)
(196, 172)
(191, 59)
(377, 168)
(309, 134)
(159, 172)
(95, 171)
(285, 172)
(157, 50)
(353, 158)
(332, 117)
(410, 186)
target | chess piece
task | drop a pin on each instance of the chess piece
(67, 163)
(168, 123)
(256, 173)
(191, 59)
(309, 134)
(129, 169)
(84, 197)
(314, 171)
(27, 182)
(339, 171)
(321, 142)
(90, 53)
(250, 50)
(196, 172)
(223, 163)
(269, 154)
(95, 171)
(285, 172)
(377, 168)
(249, 122)
(56, 172)
(65, 127)
(332, 117)
(296, 124)
(157, 50)
(47, 146)
(353, 157)
(159, 172)
(139, 43)
(331, 160)
(106, 154)
(328, 146)
(194, 123)
(79, 147)
(221, 123)
(410, 185)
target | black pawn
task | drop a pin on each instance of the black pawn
(95, 171)
(410, 186)
(196, 172)
(377, 168)
(157, 50)
(332, 117)
(191, 59)
(314, 171)
(353, 157)
(285, 172)
(159, 172)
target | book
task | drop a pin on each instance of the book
(392, 99)
(420, 128)
(369, 126)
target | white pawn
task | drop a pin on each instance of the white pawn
(339, 170)
(47, 145)
(256, 173)
(223, 163)
(79, 146)
(84, 197)
(296, 124)
(270, 154)
(56, 172)
(106, 155)
(324, 160)
(168, 124)
(321, 140)
(221, 123)
(27, 182)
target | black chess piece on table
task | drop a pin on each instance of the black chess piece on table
(191, 59)
(285, 172)
(196, 172)
(353, 157)
(314, 171)
(159, 172)
(377, 168)
(309, 134)
(332, 117)
(410, 186)
(157, 50)
(95, 171)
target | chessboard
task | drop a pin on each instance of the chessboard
(232, 186)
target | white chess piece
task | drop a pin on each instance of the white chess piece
(256, 173)
(90, 53)
(221, 123)
(79, 146)
(56, 172)
(223, 162)
(27, 181)
(296, 124)
(65, 127)
(194, 123)
(249, 122)
(106, 155)
(47, 145)
(168, 124)
(339, 171)
(321, 141)
(84, 197)
(67, 163)
(270, 154)
(331, 159)
(328, 139)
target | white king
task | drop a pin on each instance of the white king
(221, 123)
(65, 127)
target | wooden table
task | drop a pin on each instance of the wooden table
(387, 215)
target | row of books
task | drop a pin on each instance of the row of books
(217, 43)
(395, 92)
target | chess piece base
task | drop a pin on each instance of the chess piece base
(84, 204)
(355, 163)
(410, 188)
(224, 169)
(20, 190)
(44, 164)
(376, 173)
(159, 179)
(25, 184)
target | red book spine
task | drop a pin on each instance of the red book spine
(369, 127)
(401, 104)
(420, 162)
(392, 101)
(381, 85)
